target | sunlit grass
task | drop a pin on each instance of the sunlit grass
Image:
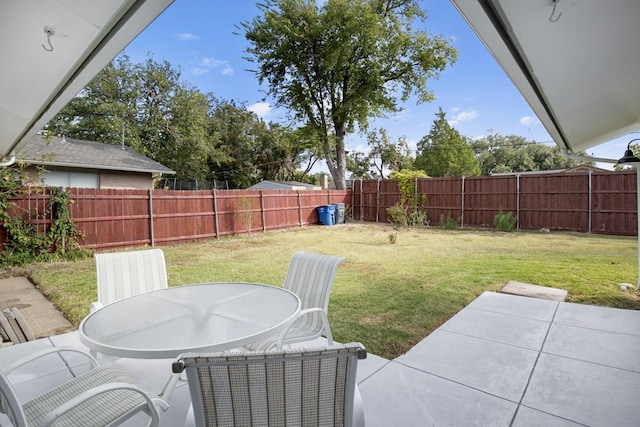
(388, 296)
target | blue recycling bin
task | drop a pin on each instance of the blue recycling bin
(327, 214)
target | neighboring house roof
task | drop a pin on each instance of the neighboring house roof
(575, 62)
(283, 185)
(64, 152)
(579, 168)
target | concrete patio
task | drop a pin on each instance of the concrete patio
(504, 360)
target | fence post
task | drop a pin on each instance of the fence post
(415, 192)
(262, 213)
(518, 201)
(462, 203)
(378, 202)
(153, 240)
(299, 209)
(215, 214)
(590, 201)
(361, 200)
(353, 196)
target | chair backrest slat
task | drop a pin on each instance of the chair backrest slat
(124, 274)
(310, 276)
(311, 387)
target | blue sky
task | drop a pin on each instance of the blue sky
(197, 36)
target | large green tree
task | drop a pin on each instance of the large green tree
(337, 63)
(104, 108)
(147, 107)
(512, 153)
(445, 152)
(250, 150)
(385, 156)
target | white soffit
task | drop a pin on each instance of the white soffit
(580, 74)
(37, 82)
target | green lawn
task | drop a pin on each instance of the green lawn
(388, 296)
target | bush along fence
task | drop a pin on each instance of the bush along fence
(594, 202)
(123, 218)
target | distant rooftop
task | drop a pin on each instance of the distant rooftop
(283, 185)
(61, 151)
(574, 169)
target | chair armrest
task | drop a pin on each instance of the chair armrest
(306, 311)
(95, 306)
(105, 388)
(39, 354)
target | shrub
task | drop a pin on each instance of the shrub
(25, 243)
(397, 215)
(409, 211)
(449, 222)
(504, 221)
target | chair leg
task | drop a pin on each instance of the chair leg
(326, 327)
(358, 409)
(169, 387)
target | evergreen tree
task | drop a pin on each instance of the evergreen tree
(444, 152)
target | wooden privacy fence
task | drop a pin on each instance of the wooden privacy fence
(597, 202)
(121, 218)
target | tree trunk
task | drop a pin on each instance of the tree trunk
(337, 165)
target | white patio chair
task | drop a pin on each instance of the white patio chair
(100, 396)
(310, 276)
(124, 274)
(302, 387)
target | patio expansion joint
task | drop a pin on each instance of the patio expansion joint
(590, 362)
(520, 316)
(363, 380)
(498, 341)
(535, 364)
(455, 382)
(549, 414)
(609, 331)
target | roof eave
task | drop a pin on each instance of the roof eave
(489, 24)
(126, 23)
(98, 167)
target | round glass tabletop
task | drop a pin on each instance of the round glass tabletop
(203, 317)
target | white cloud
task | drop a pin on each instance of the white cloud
(413, 144)
(260, 109)
(183, 37)
(208, 64)
(199, 71)
(211, 62)
(528, 121)
(463, 116)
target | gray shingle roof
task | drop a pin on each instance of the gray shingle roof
(283, 185)
(55, 151)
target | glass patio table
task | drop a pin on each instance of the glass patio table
(206, 317)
